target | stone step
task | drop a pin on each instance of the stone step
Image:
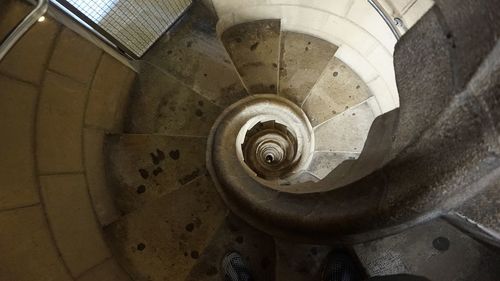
(480, 214)
(373, 156)
(338, 89)
(143, 168)
(303, 60)
(435, 250)
(346, 132)
(254, 48)
(299, 262)
(192, 53)
(256, 247)
(164, 239)
(161, 104)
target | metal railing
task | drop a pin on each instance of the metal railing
(39, 10)
(386, 17)
(133, 26)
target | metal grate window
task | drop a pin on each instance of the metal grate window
(133, 24)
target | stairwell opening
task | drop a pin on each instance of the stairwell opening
(270, 149)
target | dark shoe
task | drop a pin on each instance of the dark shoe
(340, 266)
(235, 269)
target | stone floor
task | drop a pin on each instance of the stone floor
(256, 247)
(192, 53)
(435, 250)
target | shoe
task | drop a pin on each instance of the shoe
(340, 266)
(234, 268)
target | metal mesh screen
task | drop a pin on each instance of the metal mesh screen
(135, 24)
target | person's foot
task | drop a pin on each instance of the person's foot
(234, 268)
(340, 266)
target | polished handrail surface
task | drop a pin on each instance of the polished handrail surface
(9, 42)
(388, 20)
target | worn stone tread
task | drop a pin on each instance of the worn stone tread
(143, 168)
(303, 59)
(162, 104)
(192, 53)
(254, 48)
(299, 262)
(256, 247)
(163, 240)
(338, 89)
(331, 135)
(435, 250)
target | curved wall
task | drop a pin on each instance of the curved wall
(59, 96)
(365, 42)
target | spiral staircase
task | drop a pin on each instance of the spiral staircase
(251, 130)
(290, 144)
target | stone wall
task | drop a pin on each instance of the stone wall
(365, 42)
(59, 96)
